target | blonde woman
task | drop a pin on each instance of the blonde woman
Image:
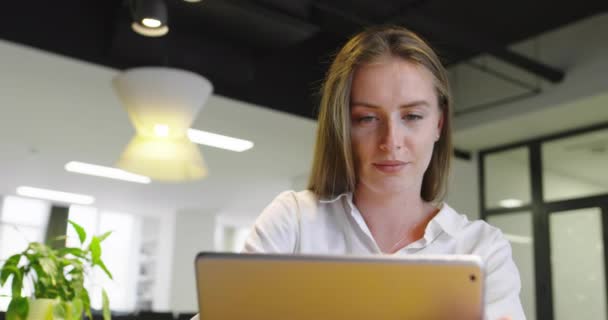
(380, 169)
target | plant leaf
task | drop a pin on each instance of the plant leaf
(60, 311)
(13, 260)
(65, 289)
(10, 266)
(6, 272)
(95, 247)
(105, 269)
(77, 252)
(107, 315)
(40, 274)
(104, 236)
(86, 303)
(38, 250)
(49, 267)
(17, 283)
(82, 235)
(77, 309)
(17, 309)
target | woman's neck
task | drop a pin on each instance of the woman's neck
(393, 217)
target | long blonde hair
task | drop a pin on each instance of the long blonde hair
(333, 169)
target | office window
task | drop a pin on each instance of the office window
(118, 251)
(517, 228)
(22, 220)
(577, 259)
(507, 179)
(575, 167)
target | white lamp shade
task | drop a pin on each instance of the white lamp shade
(162, 104)
(162, 96)
(163, 159)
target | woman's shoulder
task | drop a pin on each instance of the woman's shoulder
(295, 198)
(478, 233)
(291, 204)
(305, 207)
(276, 229)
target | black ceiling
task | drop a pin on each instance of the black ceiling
(274, 52)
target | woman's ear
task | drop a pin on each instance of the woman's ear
(440, 124)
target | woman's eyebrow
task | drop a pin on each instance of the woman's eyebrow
(364, 104)
(421, 103)
(412, 104)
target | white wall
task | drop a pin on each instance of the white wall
(463, 190)
(162, 293)
(300, 182)
(194, 232)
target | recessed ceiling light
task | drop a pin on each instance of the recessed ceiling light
(151, 22)
(106, 172)
(510, 203)
(149, 17)
(219, 141)
(149, 32)
(53, 195)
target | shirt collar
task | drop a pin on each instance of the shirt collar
(446, 220)
(336, 198)
(347, 196)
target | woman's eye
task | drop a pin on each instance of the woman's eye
(413, 117)
(366, 119)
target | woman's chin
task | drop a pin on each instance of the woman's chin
(390, 186)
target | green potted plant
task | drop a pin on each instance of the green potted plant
(56, 278)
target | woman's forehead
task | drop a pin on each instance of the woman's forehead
(392, 80)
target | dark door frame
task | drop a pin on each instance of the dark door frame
(540, 213)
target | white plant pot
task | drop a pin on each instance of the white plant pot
(40, 309)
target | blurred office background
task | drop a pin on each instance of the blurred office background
(531, 131)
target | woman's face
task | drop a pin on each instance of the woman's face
(395, 121)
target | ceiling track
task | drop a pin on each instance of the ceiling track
(467, 40)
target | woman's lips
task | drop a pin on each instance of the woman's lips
(390, 166)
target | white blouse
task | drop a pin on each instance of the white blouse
(300, 223)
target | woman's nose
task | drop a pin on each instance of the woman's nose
(391, 139)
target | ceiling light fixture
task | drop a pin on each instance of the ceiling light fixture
(510, 203)
(162, 103)
(219, 141)
(151, 23)
(106, 172)
(161, 130)
(514, 238)
(149, 17)
(53, 195)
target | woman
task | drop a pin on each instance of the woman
(381, 166)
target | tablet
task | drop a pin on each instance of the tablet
(307, 287)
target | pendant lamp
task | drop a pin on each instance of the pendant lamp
(162, 103)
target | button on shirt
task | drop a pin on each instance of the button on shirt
(300, 223)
